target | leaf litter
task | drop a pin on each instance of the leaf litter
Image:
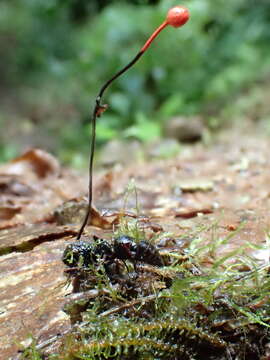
(210, 297)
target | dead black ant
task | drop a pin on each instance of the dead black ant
(83, 255)
(125, 248)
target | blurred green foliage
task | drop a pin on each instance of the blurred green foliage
(56, 54)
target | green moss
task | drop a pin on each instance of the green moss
(184, 310)
(31, 352)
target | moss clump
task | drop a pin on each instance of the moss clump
(184, 310)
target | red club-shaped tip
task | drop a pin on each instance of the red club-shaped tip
(177, 16)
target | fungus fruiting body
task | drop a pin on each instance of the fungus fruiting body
(176, 17)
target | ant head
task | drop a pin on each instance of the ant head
(124, 247)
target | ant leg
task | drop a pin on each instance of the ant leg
(126, 266)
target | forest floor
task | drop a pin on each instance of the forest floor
(220, 191)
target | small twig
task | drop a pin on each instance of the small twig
(85, 295)
(118, 309)
(50, 341)
(251, 272)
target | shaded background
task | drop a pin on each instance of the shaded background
(56, 54)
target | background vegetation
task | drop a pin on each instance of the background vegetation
(55, 54)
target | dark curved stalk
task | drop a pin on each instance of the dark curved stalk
(98, 110)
